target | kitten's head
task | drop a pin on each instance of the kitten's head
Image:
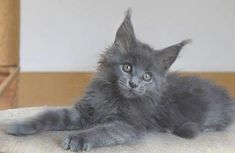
(134, 68)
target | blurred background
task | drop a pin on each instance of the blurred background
(56, 44)
(75, 32)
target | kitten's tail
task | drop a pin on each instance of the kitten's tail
(53, 119)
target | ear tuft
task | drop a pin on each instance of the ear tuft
(128, 13)
(125, 36)
(185, 42)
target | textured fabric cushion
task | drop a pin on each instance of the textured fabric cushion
(50, 142)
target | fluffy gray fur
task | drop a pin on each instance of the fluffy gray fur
(133, 94)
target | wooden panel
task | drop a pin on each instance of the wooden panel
(9, 98)
(51, 89)
(9, 32)
(56, 89)
(8, 87)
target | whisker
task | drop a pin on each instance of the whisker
(123, 84)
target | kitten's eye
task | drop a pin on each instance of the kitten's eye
(147, 76)
(127, 68)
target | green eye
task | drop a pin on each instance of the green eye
(126, 68)
(147, 76)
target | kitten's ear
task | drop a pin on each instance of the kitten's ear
(125, 36)
(168, 55)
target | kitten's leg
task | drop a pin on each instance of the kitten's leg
(102, 135)
(187, 130)
(57, 119)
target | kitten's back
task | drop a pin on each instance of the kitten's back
(201, 100)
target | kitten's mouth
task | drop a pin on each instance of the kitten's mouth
(129, 93)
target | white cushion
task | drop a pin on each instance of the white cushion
(50, 142)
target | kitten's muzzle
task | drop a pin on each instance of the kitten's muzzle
(133, 84)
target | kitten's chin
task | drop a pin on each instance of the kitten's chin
(130, 94)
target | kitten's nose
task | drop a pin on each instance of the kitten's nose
(132, 84)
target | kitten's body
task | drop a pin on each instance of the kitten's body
(132, 94)
(184, 99)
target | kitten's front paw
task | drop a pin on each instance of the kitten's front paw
(20, 128)
(76, 143)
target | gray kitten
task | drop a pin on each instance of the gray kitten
(133, 94)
